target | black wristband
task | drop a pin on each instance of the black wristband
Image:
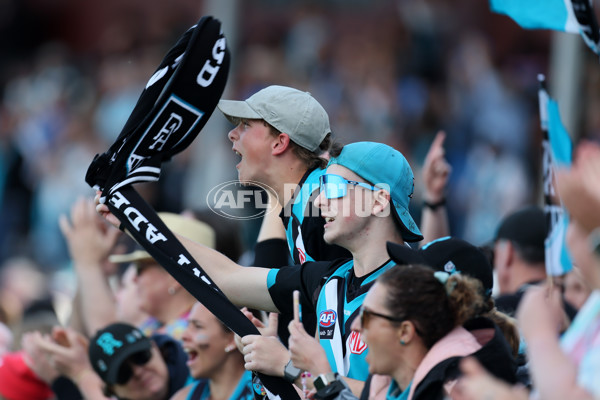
(434, 206)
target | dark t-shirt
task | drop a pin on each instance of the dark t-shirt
(508, 303)
(308, 280)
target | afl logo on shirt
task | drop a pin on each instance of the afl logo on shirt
(327, 324)
(327, 318)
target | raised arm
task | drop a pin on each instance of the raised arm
(243, 286)
(90, 241)
(436, 170)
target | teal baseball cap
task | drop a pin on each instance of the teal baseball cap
(380, 165)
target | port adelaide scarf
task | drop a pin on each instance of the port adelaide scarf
(176, 103)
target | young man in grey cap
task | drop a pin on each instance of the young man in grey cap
(283, 136)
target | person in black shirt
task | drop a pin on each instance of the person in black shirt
(519, 257)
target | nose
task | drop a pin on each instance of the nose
(356, 326)
(137, 370)
(233, 134)
(320, 201)
(185, 336)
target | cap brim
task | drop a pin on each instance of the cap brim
(404, 255)
(409, 229)
(115, 363)
(234, 110)
(137, 255)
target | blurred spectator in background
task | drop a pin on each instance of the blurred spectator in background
(19, 382)
(6, 339)
(67, 91)
(228, 238)
(90, 241)
(19, 379)
(22, 282)
(128, 302)
(576, 289)
(213, 359)
(519, 257)
(160, 296)
(118, 361)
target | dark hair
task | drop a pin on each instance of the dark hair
(509, 328)
(506, 323)
(435, 308)
(529, 254)
(313, 159)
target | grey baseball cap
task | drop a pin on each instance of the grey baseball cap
(289, 110)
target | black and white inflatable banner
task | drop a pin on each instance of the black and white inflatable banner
(175, 105)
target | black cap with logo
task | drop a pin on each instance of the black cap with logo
(112, 345)
(448, 254)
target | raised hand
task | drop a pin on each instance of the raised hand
(89, 238)
(436, 170)
(306, 352)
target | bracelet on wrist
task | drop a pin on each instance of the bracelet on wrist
(434, 206)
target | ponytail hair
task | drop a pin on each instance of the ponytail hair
(507, 324)
(466, 301)
(435, 304)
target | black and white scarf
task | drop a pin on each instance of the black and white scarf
(172, 109)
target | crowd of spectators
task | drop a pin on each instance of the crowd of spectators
(391, 72)
(394, 72)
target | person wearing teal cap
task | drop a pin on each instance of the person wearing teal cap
(364, 197)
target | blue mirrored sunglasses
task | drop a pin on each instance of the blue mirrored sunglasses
(334, 186)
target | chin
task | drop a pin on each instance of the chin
(244, 179)
(329, 237)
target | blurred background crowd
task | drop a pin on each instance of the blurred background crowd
(390, 71)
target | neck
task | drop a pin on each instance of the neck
(527, 273)
(181, 303)
(405, 372)
(369, 248)
(225, 380)
(285, 178)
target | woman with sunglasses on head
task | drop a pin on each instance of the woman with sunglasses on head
(364, 197)
(214, 360)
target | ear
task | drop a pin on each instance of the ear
(280, 144)
(231, 344)
(406, 332)
(510, 253)
(382, 200)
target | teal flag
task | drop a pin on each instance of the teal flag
(557, 151)
(573, 16)
(539, 14)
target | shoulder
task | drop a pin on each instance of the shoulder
(507, 303)
(495, 354)
(183, 393)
